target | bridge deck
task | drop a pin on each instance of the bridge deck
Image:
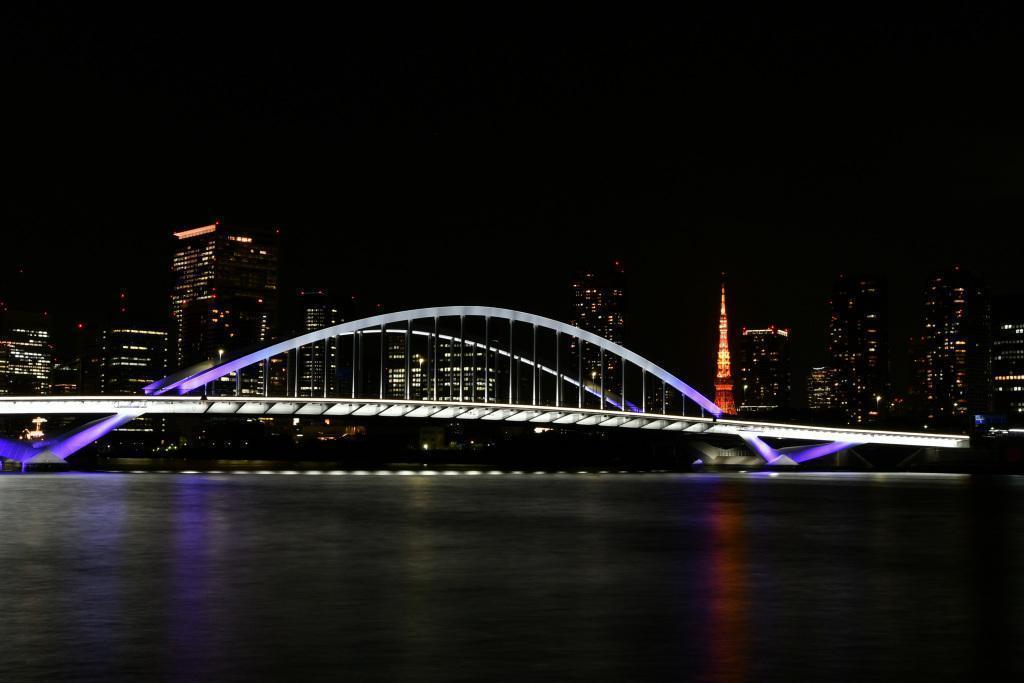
(360, 407)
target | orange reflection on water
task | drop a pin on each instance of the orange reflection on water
(727, 587)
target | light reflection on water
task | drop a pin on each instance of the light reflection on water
(561, 576)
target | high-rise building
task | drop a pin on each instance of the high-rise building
(858, 346)
(460, 373)
(26, 353)
(395, 370)
(957, 347)
(224, 296)
(1008, 359)
(822, 389)
(318, 366)
(131, 356)
(724, 397)
(599, 306)
(764, 369)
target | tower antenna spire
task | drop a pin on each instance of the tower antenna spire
(723, 370)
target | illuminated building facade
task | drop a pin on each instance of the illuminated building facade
(764, 370)
(461, 369)
(419, 385)
(224, 296)
(1008, 360)
(957, 347)
(858, 346)
(724, 397)
(822, 389)
(26, 353)
(318, 364)
(130, 358)
(599, 306)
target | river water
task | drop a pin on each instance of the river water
(732, 577)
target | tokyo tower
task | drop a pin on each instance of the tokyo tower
(723, 375)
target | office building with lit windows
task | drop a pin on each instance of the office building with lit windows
(131, 357)
(858, 347)
(395, 370)
(957, 347)
(822, 390)
(26, 353)
(318, 363)
(1008, 359)
(764, 370)
(224, 296)
(599, 306)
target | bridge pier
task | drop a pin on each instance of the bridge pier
(731, 457)
(45, 461)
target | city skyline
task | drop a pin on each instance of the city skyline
(900, 376)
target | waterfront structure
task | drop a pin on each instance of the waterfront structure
(1008, 359)
(26, 353)
(555, 396)
(599, 306)
(724, 397)
(858, 347)
(764, 369)
(822, 389)
(224, 296)
(318, 367)
(957, 347)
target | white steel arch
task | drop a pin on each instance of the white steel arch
(204, 373)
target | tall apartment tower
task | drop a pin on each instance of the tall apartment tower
(957, 347)
(318, 363)
(723, 367)
(599, 306)
(225, 294)
(858, 346)
(1008, 359)
(764, 370)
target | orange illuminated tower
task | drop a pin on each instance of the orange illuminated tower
(723, 375)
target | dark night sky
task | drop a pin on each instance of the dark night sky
(481, 159)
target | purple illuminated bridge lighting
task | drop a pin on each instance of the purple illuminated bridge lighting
(474, 362)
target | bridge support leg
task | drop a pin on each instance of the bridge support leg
(45, 461)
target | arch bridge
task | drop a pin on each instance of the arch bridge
(452, 362)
